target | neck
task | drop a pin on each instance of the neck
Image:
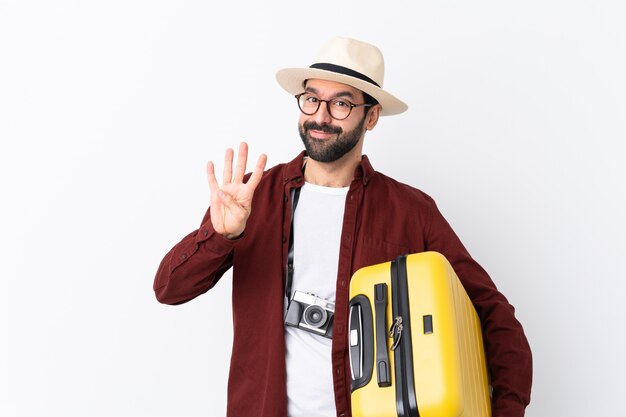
(331, 174)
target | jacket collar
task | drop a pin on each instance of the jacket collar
(293, 170)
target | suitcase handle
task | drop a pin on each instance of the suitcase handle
(383, 370)
(361, 341)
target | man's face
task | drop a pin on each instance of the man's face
(327, 139)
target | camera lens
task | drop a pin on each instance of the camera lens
(314, 316)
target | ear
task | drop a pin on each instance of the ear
(372, 117)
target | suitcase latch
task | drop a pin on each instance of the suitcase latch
(396, 332)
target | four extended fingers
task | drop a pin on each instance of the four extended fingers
(240, 169)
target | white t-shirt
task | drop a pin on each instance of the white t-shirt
(317, 233)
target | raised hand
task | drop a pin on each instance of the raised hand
(231, 203)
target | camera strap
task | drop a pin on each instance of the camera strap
(295, 195)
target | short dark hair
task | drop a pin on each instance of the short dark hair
(369, 99)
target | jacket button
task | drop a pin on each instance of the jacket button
(205, 233)
(284, 239)
(183, 256)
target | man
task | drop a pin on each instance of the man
(346, 218)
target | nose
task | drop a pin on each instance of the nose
(322, 116)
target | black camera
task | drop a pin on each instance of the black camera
(308, 312)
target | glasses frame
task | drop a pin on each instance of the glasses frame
(320, 101)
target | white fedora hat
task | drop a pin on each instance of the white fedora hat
(350, 62)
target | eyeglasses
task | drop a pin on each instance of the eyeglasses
(338, 108)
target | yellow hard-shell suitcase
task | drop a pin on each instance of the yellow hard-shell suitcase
(416, 344)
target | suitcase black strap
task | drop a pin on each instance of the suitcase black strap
(382, 354)
(406, 401)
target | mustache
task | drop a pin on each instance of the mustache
(310, 125)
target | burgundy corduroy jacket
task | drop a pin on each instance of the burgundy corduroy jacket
(383, 219)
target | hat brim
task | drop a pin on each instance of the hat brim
(292, 80)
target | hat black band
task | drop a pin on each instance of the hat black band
(345, 71)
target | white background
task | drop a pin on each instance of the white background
(110, 110)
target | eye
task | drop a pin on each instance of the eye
(341, 103)
(310, 99)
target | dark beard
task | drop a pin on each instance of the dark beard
(333, 150)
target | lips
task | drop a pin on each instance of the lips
(321, 132)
